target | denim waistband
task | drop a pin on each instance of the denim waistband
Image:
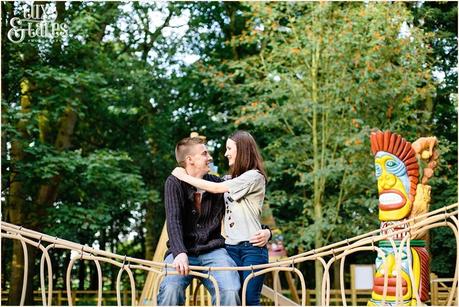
(244, 243)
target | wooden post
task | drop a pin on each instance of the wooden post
(202, 294)
(308, 297)
(277, 287)
(189, 293)
(433, 290)
(283, 300)
(353, 291)
(209, 299)
(125, 298)
(292, 287)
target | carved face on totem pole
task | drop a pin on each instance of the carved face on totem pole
(397, 173)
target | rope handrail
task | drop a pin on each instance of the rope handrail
(323, 251)
(443, 217)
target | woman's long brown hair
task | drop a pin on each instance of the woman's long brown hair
(247, 154)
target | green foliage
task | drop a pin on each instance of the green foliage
(310, 80)
(104, 192)
(324, 74)
(119, 151)
(441, 19)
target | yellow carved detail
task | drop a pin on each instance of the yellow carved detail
(386, 182)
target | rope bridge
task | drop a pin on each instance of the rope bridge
(327, 255)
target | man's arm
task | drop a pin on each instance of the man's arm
(174, 201)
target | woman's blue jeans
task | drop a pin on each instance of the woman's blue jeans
(245, 254)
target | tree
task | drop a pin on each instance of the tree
(323, 75)
(441, 18)
(87, 120)
(64, 126)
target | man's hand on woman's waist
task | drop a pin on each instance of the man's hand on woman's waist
(260, 238)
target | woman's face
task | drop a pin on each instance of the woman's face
(231, 151)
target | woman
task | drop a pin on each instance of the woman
(244, 195)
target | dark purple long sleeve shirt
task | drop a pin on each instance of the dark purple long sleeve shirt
(189, 231)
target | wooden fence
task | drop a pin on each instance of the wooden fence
(440, 290)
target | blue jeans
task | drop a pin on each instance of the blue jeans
(172, 289)
(245, 254)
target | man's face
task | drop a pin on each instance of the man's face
(199, 160)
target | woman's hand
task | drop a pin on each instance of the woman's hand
(179, 172)
(260, 238)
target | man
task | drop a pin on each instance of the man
(194, 229)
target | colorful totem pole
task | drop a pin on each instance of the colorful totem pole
(402, 170)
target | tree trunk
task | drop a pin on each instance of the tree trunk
(154, 221)
(81, 274)
(94, 278)
(16, 203)
(317, 196)
(17, 271)
(17, 199)
(47, 193)
(114, 269)
(46, 196)
(336, 275)
(7, 13)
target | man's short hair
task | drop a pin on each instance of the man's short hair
(183, 148)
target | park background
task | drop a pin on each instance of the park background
(88, 144)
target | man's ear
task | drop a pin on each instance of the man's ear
(188, 159)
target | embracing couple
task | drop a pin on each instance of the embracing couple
(196, 202)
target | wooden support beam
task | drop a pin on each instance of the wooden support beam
(283, 301)
(292, 287)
